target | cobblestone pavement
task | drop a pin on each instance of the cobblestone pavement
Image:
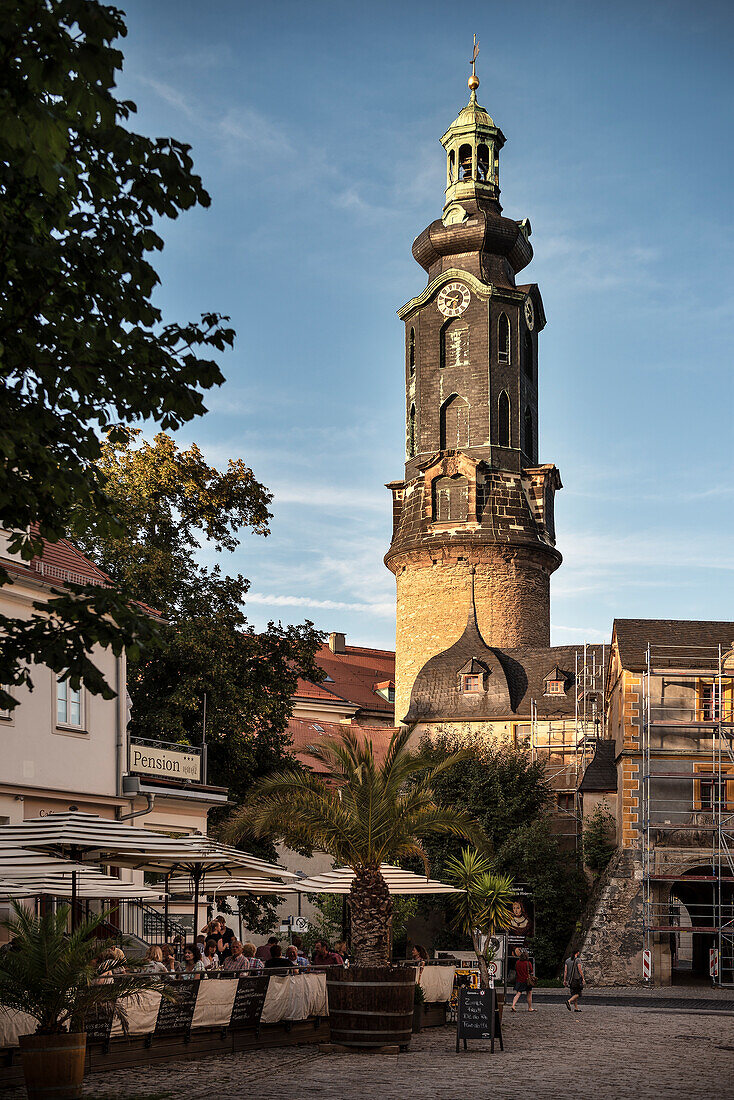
(600, 1053)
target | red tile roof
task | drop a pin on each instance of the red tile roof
(353, 676)
(61, 563)
(306, 733)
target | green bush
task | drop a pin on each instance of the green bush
(599, 839)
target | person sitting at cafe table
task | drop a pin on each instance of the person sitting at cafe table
(210, 958)
(192, 966)
(154, 961)
(168, 952)
(276, 960)
(249, 951)
(296, 954)
(324, 956)
(263, 952)
(237, 960)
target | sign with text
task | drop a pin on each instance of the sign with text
(176, 1016)
(171, 762)
(478, 1017)
(249, 1001)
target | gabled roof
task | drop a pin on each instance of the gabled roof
(474, 667)
(556, 674)
(634, 635)
(354, 677)
(61, 563)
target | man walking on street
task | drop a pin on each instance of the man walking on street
(573, 977)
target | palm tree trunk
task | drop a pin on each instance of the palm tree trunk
(371, 907)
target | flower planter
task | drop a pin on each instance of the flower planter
(371, 1007)
(53, 1065)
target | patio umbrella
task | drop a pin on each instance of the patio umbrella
(105, 840)
(234, 884)
(339, 881)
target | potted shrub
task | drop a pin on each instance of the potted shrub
(362, 814)
(483, 909)
(49, 974)
(419, 999)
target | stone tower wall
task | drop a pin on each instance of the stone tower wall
(512, 596)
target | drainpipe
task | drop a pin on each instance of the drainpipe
(150, 799)
(120, 724)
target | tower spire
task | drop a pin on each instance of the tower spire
(474, 79)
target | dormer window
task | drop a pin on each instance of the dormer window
(555, 683)
(471, 677)
(387, 690)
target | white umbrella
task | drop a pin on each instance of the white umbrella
(339, 881)
(105, 840)
(235, 885)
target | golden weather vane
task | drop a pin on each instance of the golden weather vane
(474, 79)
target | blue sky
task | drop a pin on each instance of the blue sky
(316, 129)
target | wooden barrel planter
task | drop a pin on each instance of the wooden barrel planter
(371, 1007)
(53, 1065)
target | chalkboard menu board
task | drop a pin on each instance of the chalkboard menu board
(177, 1015)
(478, 1016)
(98, 1023)
(249, 1000)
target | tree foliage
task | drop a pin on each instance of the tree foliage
(362, 814)
(483, 906)
(170, 500)
(599, 839)
(83, 349)
(508, 794)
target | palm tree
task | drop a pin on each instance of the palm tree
(362, 815)
(49, 974)
(483, 908)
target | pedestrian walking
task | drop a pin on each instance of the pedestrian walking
(573, 977)
(524, 980)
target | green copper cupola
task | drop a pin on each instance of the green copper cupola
(472, 143)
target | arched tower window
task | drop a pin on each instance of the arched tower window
(411, 351)
(503, 420)
(527, 357)
(528, 434)
(452, 166)
(465, 162)
(504, 350)
(482, 162)
(454, 350)
(411, 432)
(450, 500)
(454, 423)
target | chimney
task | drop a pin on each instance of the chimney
(338, 643)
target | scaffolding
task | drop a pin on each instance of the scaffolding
(567, 745)
(687, 804)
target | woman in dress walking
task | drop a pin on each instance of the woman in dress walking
(523, 980)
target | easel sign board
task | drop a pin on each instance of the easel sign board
(478, 1017)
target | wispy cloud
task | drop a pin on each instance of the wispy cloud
(386, 609)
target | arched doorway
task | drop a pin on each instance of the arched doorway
(694, 909)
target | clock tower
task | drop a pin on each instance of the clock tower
(473, 516)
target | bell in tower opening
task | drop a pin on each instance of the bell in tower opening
(473, 544)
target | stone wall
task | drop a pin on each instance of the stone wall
(512, 595)
(611, 944)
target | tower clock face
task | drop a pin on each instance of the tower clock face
(453, 299)
(529, 314)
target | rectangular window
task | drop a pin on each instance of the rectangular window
(472, 683)
(565, 803)
(712, 791)
(68, 704)
(714, 701)
(554, 687)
